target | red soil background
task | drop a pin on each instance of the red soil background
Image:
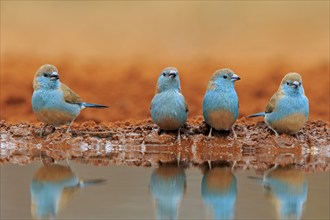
(112, 52)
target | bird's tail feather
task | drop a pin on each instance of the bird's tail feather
(85, 183)
(91, 105)
(256, 115)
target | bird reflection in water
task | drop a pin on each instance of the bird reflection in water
(167, 186)
(287, 188)
(52, 188)
(219, 189)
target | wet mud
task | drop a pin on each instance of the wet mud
(140, 143)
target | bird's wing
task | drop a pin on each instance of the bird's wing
(273, 101)
(152, 102)
(69, 95)
(185, 103)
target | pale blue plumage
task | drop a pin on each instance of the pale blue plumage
(288, 188)
(168, 107)
(52, 101)
(43, 99)
(222, 98)
(51, 188)
(46, 195)
(292, 101)
(167, 186)
(289, 106)
(288, 109)
(220, 104)
(220, 197)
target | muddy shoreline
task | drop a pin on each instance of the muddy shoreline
(138, 143)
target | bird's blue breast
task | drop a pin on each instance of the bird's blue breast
(51, 108)
(220, 108)
(52, 100)
(215, 100)
(167, 186)
(168, 110)
(46, 195)
(288, 105)
(221, 195)
(290, 196)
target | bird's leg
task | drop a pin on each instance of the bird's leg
(233, 166)
(178, 158)
(296, 136)
(210, 134)
(67, 162)
(68, 129)
(71, 122)
(42, 130)
(278, 140)
(210, 164)
(179, 136)
(276, 134)
(45, 130)
(235, 136)
(268, 171)
(159, 131)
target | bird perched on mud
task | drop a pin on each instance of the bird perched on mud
(53, 102)
(287, 110)
(220, 104)
(168, 107)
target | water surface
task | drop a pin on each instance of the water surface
(80, 191)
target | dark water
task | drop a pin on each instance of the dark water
(122, 192)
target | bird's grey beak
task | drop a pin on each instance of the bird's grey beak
(54, 76)
(172, 74)
(295, 84)
(235, 77)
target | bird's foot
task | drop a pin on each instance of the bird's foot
(46, 130)
(179, 137)
(71, 122)
(234, 133)
(210, 134)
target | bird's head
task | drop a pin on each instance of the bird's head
(168, 79)
(46, 77)
(223, 78)
(292, 84)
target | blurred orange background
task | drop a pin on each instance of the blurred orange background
(112, 52)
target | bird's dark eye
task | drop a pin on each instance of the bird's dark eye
(287, 83)
(164, 74)
(225, 77)
(45, 74)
